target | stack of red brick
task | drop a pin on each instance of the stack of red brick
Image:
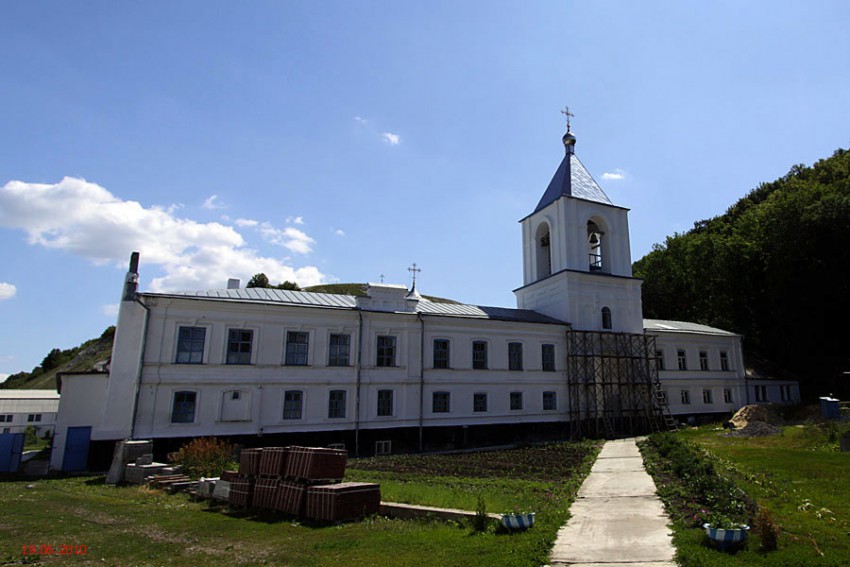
(304, 482)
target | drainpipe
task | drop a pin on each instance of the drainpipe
(421, 379)
(357, 367)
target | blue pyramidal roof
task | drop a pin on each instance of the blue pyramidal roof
(572, 180)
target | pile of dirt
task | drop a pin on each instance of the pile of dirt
(756, 413)
(755, 429)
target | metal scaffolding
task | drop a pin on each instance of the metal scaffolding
(613, 386)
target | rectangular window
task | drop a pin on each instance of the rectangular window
(724, 361)
(479, 355)
(6, 418)
(706, 396)
(682, 359)
(239, 346)
(383, 447)
(514, 356)
(703, 360)
(516, 401)
(440, 402)
(441, 353)
(659, 359)
(34, 417)
(686, 397)
(297, 345)
(336, 404)
(550, 401)
(183, 409)
(547, 354)
(386, 351)
(761, 393)
(385, 403)
(338, 350)
(292, 404)
(785, 392)
(727, 395)
(479, 402)
(190, 345)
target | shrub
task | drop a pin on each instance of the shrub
(767, 529)
(205, 456)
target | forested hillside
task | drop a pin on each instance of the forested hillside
(774, 268)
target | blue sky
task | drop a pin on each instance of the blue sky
(339, 141)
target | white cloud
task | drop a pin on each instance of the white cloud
(7, 291)
(339, 232)
(246, 222)
(211, 204)
(295, 220)
(360, 120)
(87, 220)
(110, 310)
(391, 139)
(290, 238)
(615, 175)
(3, 377)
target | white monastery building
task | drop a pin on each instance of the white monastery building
(392, 371)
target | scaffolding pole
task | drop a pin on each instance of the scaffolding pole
(613, 386)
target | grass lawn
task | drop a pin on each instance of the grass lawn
(799, 477)
(138, 526)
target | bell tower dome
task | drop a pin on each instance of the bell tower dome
(576, 253)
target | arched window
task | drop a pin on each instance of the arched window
(606, 318)
(594, 243)
(544, 251)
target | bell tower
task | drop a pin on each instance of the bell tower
(576, 253)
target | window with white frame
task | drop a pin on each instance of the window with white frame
(727, 395)
(385, 403)
(336, 404)
(706, 396)
(34, 418)
(686, 397)
(190, 345)
(682, 359)
(785, 392)
(547, 354)
(6, 418)
(441, 353)
(479, 402)
(293, 401)
(761, 393)
(183, 407)
(514, 356)
(659, 359)
(441, 402)
(703, 360)
(297, 348)
(724, 361)
(516, 401)
(386, 350)
(339, 348)
(479, 355)
(239, 344)
(550, 401)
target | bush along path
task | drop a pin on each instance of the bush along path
(694, 493)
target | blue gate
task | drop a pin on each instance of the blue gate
(11, 447)
(76, 456)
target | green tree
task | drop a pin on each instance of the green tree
(258, 280)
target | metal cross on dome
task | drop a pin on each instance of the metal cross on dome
(414, 270)
(566, 112)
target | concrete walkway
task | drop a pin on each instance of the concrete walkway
(617, 518)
